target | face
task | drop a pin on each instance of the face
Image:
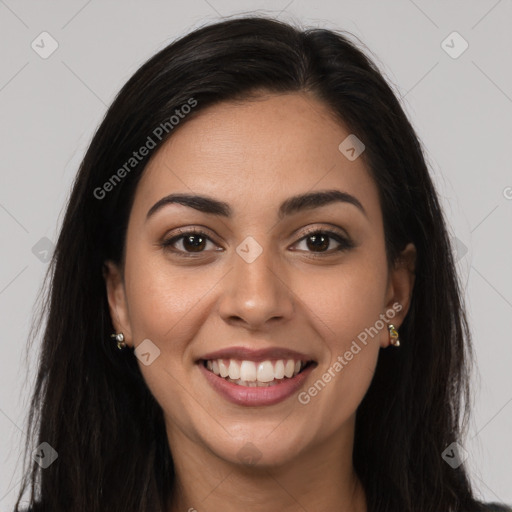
(244, 287)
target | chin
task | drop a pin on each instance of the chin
(254, 450)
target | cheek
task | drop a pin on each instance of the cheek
(345, 307)
(345, 301)
(162, 299)
(163, 307)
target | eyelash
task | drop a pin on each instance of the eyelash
(345, 243)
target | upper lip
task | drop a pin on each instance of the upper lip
(256, 355)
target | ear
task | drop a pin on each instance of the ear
(400, 287)
(117, 300)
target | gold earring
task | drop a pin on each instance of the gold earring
(120, 340)
(393, 335)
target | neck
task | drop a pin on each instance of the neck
(319, 479)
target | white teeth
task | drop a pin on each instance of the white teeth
(234, 370)
(279, 370)
(223, 369)
(257, 384)
(266, 371)
(249, 373)
(289, 368)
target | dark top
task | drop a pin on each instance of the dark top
(497, 507)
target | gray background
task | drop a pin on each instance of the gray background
(461, 108)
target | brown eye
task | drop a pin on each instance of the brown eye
(191, 242)
(195, 243)
(320, 240)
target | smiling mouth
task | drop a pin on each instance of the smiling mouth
(256, 374)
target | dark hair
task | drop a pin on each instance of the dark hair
(90, 402)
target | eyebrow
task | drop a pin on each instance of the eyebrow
(290, 206)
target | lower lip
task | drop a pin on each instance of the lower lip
(255, 396)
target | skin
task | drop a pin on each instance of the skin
(254, 155)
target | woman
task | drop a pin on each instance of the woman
(253, 303)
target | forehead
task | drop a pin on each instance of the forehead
(255, 154)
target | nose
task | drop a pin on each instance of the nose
(256, 293)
